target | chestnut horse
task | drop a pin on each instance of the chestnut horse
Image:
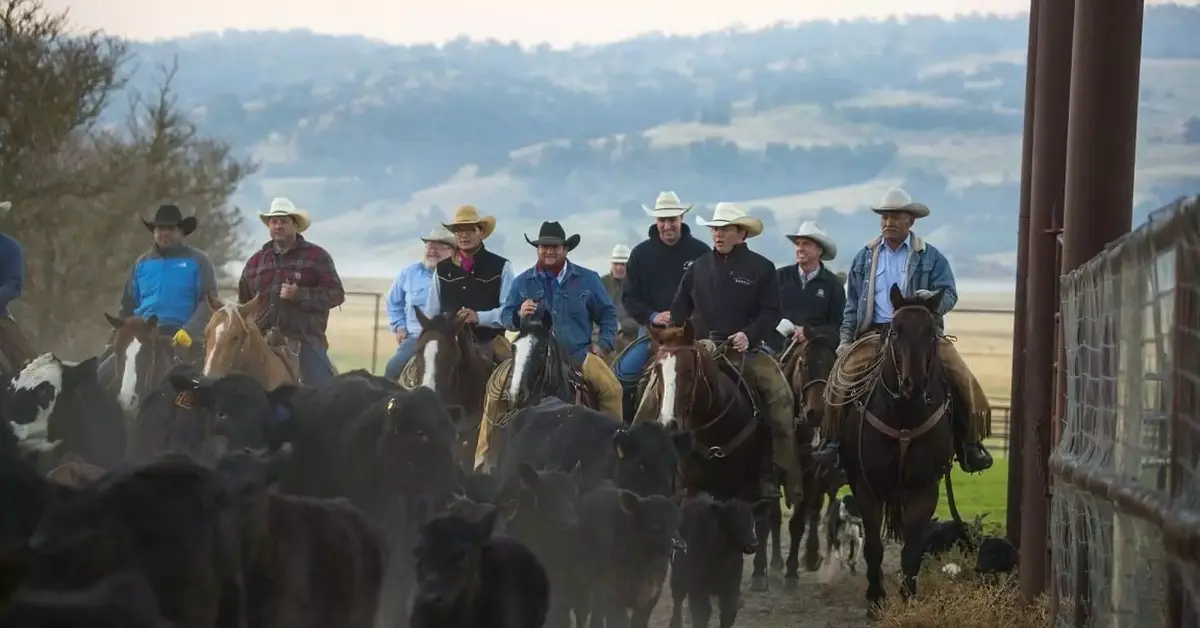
(143, 357)
(897, 440)
(450, 362)
(233, 342)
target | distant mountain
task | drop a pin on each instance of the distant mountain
(796, 121)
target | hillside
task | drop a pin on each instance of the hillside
(796, 121)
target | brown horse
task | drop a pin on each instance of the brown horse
(233, 342)
(143, 357)
(450, 362)
(897, 439)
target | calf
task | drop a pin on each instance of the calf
(997, 555)
(53, 401)
(844, 530)
(468, 578)
(717, 534)
(122, 600)
(629, 541)
(308, 563)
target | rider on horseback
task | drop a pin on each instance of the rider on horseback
(473, 282)
(411, 290)
(576, 300)
(13, 343)
(919, 269)
(614, 284)
(172, 281)
(732, 293)
(653, 271)
(813, 296)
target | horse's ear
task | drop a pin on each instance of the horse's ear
(214, 303)
(896, 297)
(254, 306)
(114, 321)
(935, 300)
(689, 332)
(421, 318)
(152, 322)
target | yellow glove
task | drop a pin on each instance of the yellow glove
(182, 339)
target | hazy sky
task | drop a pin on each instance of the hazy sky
(528, 21)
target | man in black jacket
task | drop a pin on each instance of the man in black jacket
(652, 275)
(733, 293)
(813, 296)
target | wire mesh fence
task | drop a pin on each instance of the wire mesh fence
(1124, 511)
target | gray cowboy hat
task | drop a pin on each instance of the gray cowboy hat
(552, 234)
(170, 216)
(897, 200)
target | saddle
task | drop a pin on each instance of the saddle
(585, 395)
(287, 349)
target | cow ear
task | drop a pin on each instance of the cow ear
(74, 375)
(529, 476)
(621, 444)
(683, 441)
(628, 501)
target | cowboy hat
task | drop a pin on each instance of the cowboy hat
(810, 230)
(897, 200)
(468, 215)
(667, 205)
(732, 214)
(552, 234)
(441, 235)
(280, 207)
(170, 216)
(620, 254)
(5, 206)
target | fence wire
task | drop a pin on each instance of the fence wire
(1113, 495)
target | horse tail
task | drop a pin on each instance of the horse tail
(893, 518)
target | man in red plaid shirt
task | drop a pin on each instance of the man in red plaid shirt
(302, 284)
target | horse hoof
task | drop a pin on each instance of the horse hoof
(777, 563)
(791, 574)
(758, 583)
(812, 565)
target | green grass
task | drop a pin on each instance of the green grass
(346, 361)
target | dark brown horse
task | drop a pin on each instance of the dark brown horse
(450, 362)
(143, 356)
(897, 440)
(806, 365)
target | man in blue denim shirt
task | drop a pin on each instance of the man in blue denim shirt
(13, 342)
(899, 257)
(410, 290)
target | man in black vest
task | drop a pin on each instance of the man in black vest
(473, 282)
(813, 296)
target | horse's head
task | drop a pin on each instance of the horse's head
(439, 350)
(810, 376)
(143, 356)
(229, 331)
(531, 350)
(913, 340)
(678, 360)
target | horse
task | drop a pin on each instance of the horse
(697, 395)
(897, 438)
(450, 362)
(143, 357)
(233, 342)
(806, 365)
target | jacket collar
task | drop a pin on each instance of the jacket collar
(916, 242)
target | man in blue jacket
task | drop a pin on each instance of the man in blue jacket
(576, 300)
(900, 257)
(13, 343)
(171, 281)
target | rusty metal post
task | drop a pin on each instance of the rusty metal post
(1102, 146)
(1047, 182)
(1017, 382)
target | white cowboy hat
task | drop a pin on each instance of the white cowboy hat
(620, 254)
(667, 205)
(5, 206)
(785, 327)
(442, 235)
(732, 214)
(281, 206)
(810, 230)
(897, 200)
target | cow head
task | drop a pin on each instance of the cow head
(449, 554)
(240, 411)
(416, 442)
(648, 456)
(35, 392)
(546, 499)
(248, 475)
(656, 520)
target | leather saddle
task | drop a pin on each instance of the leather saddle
(287, 349)
(585, 395)
(731, 368)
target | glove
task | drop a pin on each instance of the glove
(842, 348)
(182, 339)
(924, 294)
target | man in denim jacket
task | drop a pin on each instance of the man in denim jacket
(902, 258)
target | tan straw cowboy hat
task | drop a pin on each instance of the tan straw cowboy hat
(281, 207)
(897, 200)
(620, 254)
(441, 235)
(667, 205)
(810, 230)
(732, 214)
(468, 215)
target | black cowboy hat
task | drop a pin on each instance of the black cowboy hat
(170, 216)
(552, 234)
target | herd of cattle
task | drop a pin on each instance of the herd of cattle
(222, 504)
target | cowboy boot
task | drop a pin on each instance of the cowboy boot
(973, 457)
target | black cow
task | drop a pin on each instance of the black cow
(468, 578)
(51, 401)
(123, 600)
(541, 512)
(308, 562)
(558, 436)
(629, 541)
(997, 555)
(187, 410)
(481, 488)
(717, 534)
(172, 519)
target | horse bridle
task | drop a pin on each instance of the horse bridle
(891, 349)
(714, 451)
